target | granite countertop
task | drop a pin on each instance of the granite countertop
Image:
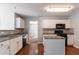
(9, 36)
(53, 37)
(5, 35)
(4, 39)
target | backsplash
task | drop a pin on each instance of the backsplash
(5, 32)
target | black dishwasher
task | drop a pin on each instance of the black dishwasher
(24, 40)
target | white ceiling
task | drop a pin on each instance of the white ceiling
(37, 9)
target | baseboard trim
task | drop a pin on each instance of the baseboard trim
(76, 46)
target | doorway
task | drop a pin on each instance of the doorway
(33, 31)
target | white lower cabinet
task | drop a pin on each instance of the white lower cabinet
(11, 47)
(15, 45)
(70, 39)
(4, 48)
(19, 43)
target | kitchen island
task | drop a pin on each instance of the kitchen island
(54, 45)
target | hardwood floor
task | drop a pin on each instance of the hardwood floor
(72, 51)
(28, 50)
(38, 49)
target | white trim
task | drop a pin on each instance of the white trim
(76, 46)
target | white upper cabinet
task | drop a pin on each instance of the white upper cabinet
(68, 24)
(52, 23)
(7, 15)
(48, 24)
(19, 22)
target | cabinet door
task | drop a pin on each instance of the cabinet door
(4, 48)
(7, 24)
(13, 46)
(70, 39)
(44, 24)
(22, 23)
(19, 22)
(7, 21)
(19, 42)
(48, 24)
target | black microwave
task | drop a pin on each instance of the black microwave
(60, 26)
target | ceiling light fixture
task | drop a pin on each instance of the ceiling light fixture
(59, 8)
